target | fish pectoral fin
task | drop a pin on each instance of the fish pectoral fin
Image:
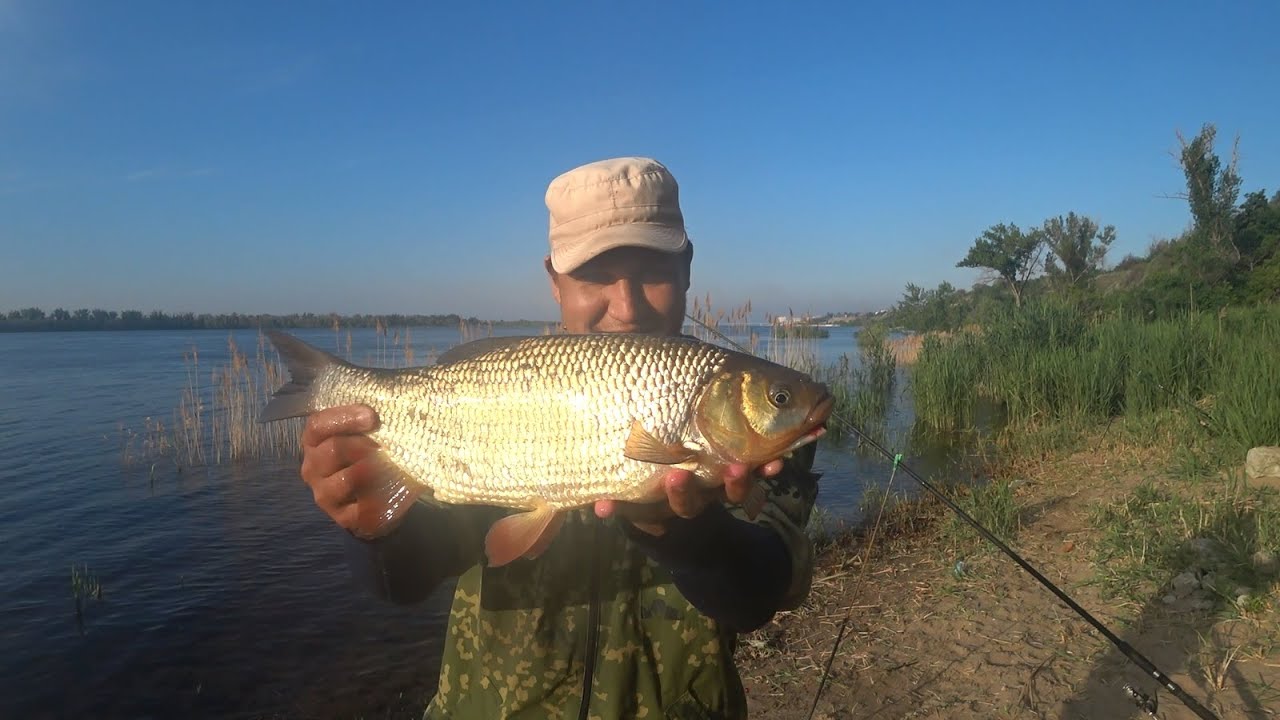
(381, 505)
(526, 534)
(644, 447)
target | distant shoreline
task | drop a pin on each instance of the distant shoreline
(35, 320)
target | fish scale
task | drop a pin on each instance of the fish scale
(464, 429)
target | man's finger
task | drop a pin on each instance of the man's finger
(771, 468)
(334, 454)
(738, 489)
(335, 491)
(347, 420)
(680, 494)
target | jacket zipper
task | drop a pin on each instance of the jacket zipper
(593, 627)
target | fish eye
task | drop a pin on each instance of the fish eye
(779, 396)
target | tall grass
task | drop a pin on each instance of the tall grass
(863, 389)
(216, 418)
(1049, 363)
(217, 422)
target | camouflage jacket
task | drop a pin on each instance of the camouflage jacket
(605, 602)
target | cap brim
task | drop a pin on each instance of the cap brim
(663, 238)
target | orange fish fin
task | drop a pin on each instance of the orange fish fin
(526, 534)
(644, 447)
(381, 506)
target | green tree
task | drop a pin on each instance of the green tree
(1257, 228)
(1212, 191)
(1014, 256)
(1077, 248)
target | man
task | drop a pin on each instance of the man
(632, 611)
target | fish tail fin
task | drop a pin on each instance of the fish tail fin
(305, 363)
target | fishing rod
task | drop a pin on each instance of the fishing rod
(1134, 656)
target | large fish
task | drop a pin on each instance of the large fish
(550, 423)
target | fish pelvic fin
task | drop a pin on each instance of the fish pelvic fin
(526, 534)
(381, 505)
(644, 447)
(305, 363)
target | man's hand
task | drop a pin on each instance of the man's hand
(334, 461)
(686, 498)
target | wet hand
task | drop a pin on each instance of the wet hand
(686, 497)
(334, 460)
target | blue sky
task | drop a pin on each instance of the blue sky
(392, 157)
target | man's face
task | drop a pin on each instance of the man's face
(626, 289)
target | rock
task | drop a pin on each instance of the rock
(1185, 583)
(1262, 466)
(1202, 603)
(1170, 599)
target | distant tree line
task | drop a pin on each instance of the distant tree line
(34, 319)
(1229, 257)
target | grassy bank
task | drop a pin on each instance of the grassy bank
(1139, 521)
(1048, 365)
(1116, 470)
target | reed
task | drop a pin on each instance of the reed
(786, 330)
(216, 420)
(85, 586)
(1052, 364)
(863, 386)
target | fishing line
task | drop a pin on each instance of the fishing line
(1125, 648)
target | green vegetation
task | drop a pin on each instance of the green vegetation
(863, 389)
(1230, 257)
(34, 319)
(1048, 363)
(1218, 545)
(993, 505)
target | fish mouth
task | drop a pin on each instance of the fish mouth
(817, 420)
(818, 416)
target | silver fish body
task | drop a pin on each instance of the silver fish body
(552, 422)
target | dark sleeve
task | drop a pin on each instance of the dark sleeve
(733, 571)
(430, 545)
(740, 570)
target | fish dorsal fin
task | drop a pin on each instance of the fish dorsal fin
(476, 348)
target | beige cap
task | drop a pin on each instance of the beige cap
(631, 201)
